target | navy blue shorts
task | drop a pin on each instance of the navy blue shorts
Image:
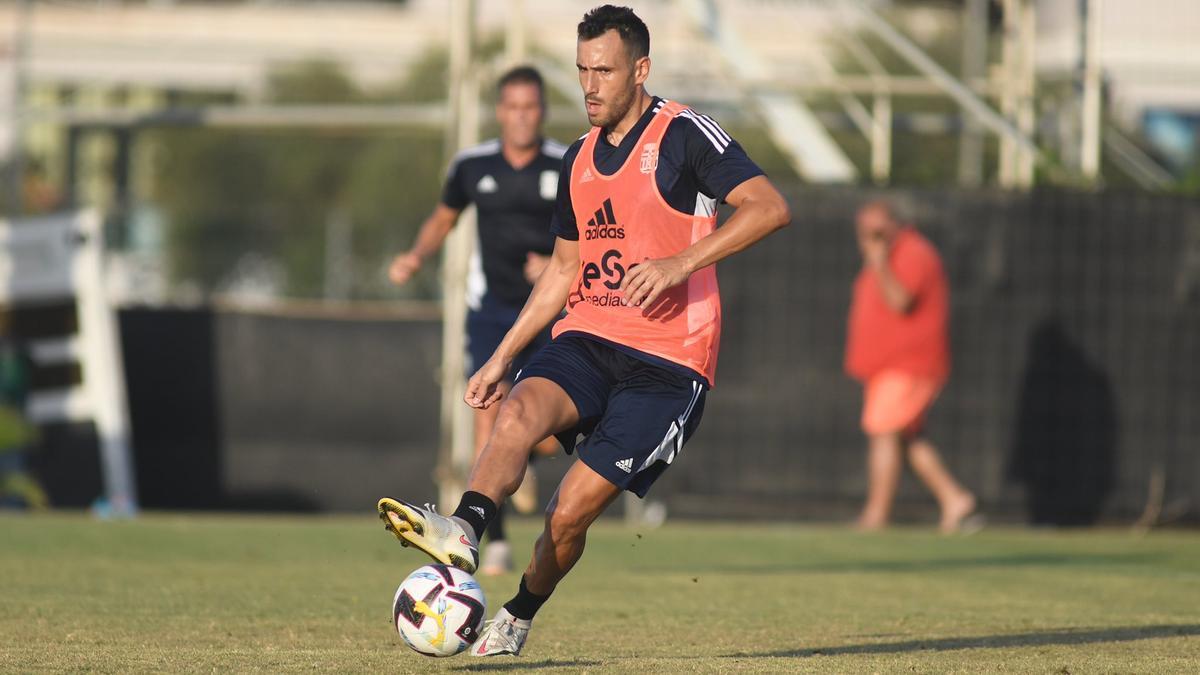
(487, 326)
(635, 415)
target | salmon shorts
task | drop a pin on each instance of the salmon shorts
(897, 402)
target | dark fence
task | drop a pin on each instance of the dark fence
(246, 410)
(1076, 338)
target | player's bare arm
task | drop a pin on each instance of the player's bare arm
(429, 240)
(547, 300)
(760, 210)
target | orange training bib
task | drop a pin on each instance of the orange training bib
(624, 220)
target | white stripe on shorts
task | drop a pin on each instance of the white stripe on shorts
(672, 443)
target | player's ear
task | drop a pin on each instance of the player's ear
(641, 70)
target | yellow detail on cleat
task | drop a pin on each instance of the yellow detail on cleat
(397, 520)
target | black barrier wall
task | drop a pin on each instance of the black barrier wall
(1075, 333)
(273, 411)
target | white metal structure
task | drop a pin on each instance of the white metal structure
(60, 257)
(457, 428)
(792, 125)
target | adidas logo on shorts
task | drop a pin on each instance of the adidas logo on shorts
(625, 465)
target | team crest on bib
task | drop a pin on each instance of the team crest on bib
(649, 157)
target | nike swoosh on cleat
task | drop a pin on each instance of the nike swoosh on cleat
(465, 541)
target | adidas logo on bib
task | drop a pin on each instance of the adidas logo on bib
(625, 465)
(603, 225)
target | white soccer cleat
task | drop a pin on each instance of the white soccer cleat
(504, 634)
(442, 537)
(497, 559)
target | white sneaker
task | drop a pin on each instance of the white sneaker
(504, 634)
(444, 538)
(497, 559)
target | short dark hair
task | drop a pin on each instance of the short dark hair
(632, 30)
(522, 75)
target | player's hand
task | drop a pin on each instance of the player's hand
(403, 267)
(483, 389)
(649, 279)
(535, 264)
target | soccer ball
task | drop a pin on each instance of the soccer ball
(439, 610)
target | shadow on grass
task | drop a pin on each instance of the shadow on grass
(1067, 636)
(518, 664)
(923, 565)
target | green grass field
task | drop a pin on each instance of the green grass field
(229, 593)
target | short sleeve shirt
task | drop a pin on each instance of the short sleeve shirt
(915, 342)
(514, 209)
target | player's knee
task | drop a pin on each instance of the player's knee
(566, 521)
(512, 420)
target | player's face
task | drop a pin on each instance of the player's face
(874, 226)
(520, 111)
(609, 77)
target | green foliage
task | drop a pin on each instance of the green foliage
(213, 186)
(15, 431)
(427, 81)
(917, 159)
(22, 488)
(233, 196)
(15, 367)
(312, 81)
(393, 185)
(759, 146)
(1190, 185)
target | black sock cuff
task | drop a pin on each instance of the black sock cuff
(495, 529)
(476, 509)
(526, 603)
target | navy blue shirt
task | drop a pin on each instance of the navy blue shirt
(514, 207)
(698, 166)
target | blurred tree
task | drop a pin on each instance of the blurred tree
(236, 197)
(251, 210)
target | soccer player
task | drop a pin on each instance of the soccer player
(898, 348)
(513, 181)
(632, 360)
